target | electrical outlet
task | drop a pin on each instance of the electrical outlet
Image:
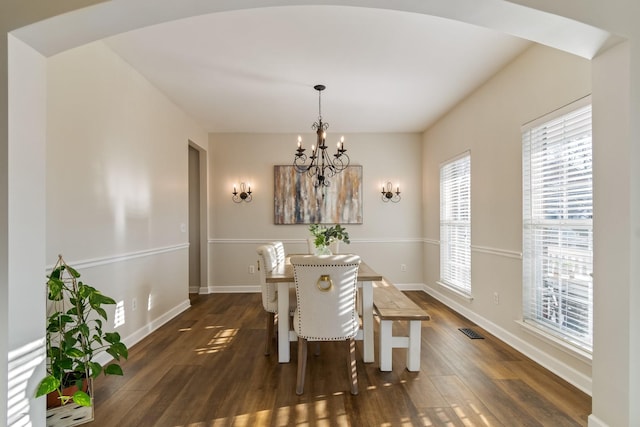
(496, 298)
(134, 304)
(252, 269)
(403, 267)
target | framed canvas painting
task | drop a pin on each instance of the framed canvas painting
(297, 201)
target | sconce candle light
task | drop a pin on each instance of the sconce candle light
(389, 195)
(244, 195)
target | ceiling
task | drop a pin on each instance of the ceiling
(254, 70)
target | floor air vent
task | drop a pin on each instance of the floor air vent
(471, 333)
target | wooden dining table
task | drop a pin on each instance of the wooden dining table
(283, 276)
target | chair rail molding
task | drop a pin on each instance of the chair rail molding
(227, 241)
(112, 259)
(496, 251)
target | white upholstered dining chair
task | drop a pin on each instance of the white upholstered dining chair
(326, 287)
(267, 261)
(279, 248)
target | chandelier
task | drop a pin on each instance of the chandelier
(321, 165)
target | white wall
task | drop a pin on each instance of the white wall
(488, 123)
(616, 308)
(117, 180)
(389, 236)
(27, 94)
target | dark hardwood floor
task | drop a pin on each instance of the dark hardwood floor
(206, 368)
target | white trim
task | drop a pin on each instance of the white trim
(456, 157)
(572, 376)
(560, 111)
(95, 262)
(496, 251)
(304, 241)
(234, 289)
(483, 249)
(454, 291)
(556, 342)
(593, 421)
(145, 331)
(410, 286)
(405, 240)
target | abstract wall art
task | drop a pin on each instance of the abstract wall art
(297, 201)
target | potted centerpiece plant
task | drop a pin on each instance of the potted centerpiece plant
(73, 338)
(324, 236)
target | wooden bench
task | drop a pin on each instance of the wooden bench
(390, 304)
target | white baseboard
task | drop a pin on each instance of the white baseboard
(235, 289)
(410, 286)
(104, 357)
(593, 421)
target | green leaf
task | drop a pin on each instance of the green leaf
(55, 287)
(55, 273)
(73, 271)
(81, 398)
(84, 330)
(118, 350)
(74, 352)
(65, 364)
(101, 312)
(113, 369)
(112, 337)
(47, 385)
(98, 298)
(95, 368)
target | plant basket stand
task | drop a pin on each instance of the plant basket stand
(72, 414)
(69, 415)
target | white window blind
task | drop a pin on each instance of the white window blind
(557, 220)
(455, 224)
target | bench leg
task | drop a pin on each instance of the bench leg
(413, 352)
(386, 345)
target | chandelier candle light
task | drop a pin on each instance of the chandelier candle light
(321, 165)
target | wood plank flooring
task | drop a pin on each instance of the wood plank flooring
(206, 368)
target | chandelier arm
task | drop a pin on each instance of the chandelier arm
(320, 164)
(341, 162)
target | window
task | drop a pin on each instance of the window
(557, 225)
(455, 224)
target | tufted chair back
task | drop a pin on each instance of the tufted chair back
(279, 248)
(326, 288)
(267, 260)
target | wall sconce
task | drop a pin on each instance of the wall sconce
(243, 195)
(389, 195)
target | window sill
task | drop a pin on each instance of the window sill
(454, 292)
(558, 343)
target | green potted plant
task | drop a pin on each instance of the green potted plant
(74, 336)
(324, 236)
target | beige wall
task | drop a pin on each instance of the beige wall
(389, 236)
(488, 124)
(117, 179)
